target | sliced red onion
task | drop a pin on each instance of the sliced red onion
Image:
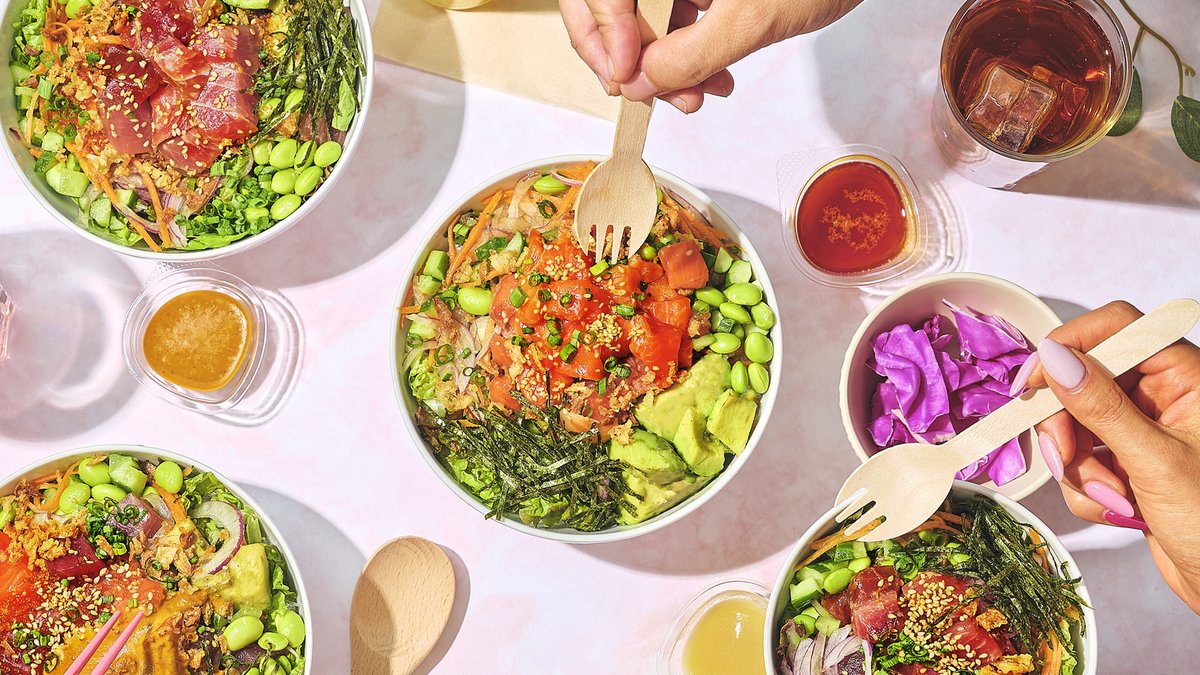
(145, 526)
(803, 656)
(229, 519)
(519, 192)
(160, 507)
(250, 655)
(564, 180)
(134, 217)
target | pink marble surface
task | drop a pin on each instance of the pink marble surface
(336, 470)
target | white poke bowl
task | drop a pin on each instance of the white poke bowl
(62, 460)
(914, 304)
(780, 597)
(66, 212)
(718, 218)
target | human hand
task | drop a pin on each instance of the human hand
(1129, 447)
(691, 60)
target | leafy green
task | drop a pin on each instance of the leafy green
(1132, 113)
(1185, 120)
(422, 381)
(903, 650)
(27, 33)
(206, 487)
(223, 220)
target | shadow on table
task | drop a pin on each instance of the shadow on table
(65, 373)
(803, 456)
(462, 598)
(410, 139)
(1065, 309)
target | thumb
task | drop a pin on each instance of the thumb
(1097, 402)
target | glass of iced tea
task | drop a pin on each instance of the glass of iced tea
(1026, 83)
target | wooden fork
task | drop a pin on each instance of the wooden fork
(620, 195)
(908, 482)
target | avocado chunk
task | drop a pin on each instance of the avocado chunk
(654, 499)
(124, 471)
(661, 413)
(731, 420)
(245, 581)
(653, 455)
(704, 454)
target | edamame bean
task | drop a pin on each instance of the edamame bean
(106, 491)
(739, 331)
(744, 294)
(735, 312)
(284, 206)
(725, 343)
(242, 632)
(283, 182)
(284, 153)
(255, 213)
(759, 348)
(760, 379)
(763, 316)
(94, 473)
(739, 381)
(270, 667)
(304, 155)
(294, 98)
(475, 300)
(327, 153)
(308, 180)
(701, 307)
(73, 498)
(751, 328)
(261, 152)
(549, 185)
(273, 642)
(710, 295)
(699, 343)
(291, 626)
(254, 671)
(647, 252)
(168, 476)
(268, 107)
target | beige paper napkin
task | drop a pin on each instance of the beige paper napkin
(516, 46)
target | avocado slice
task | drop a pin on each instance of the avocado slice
(652, 454)
(661, 413)
(245, 581)
(654, 498)
(731, 420)
(703, 454)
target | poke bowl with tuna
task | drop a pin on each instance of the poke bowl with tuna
(576, 400)
(110, 532)
(179, 129)
(981, 588)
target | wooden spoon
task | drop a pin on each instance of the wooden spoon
(908, 482)
(620, 193)
(401, 606)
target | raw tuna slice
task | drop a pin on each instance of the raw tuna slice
(129, 71)
(875, 603)
(154, 20)
(839, 606)
(170, 114)
(180, 63)
(191, 152)
(971, 641)
(126, 121)
(235, 45)
(80, 561)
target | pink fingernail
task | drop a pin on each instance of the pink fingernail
(1125, 521)
(1022, 376)
(640, 89)
(1109, 498)
(1061, 364)
(1050, 453)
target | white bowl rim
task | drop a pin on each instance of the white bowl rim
(700, 201)
(860, 336)
(1090, 647)
(138, 450)
(359, 13)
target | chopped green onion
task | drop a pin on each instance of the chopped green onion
(547, 208)
(566, 299)
(554, 339)
(622, 371)
(599, 268)
(443, 355)
(602, 386)
(567, 353)
(528, 330)
(544, 295)
(517, 297)
(610, 364)
(626, 311)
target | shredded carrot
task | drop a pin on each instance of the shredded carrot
(40, 480)
(163, 229)
(109, 40)
(100, 180)
(1051, 653)
(567, 207)
(822, 546)
(63, 481)
(29, 124)
(476, 232)
(409, 309)
(577, 172)
(177, 511)
(450, 237)
(702, 230)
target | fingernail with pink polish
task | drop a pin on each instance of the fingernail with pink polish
(1022, 376)
(1050, 453)
(1109, 498)
(639, 89)
(1125, 521)
(1061, 364)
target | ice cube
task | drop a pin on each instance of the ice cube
(1071, 98)
(1009, 107)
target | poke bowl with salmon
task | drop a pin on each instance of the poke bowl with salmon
(182, 129)
(580, 400)
(981, 588)
(112, 531)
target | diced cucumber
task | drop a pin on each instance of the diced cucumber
(76, 7)
(516, 244)
(849, 550)
(66, 181)
(810, 572)
(828, 566)
(101, 211)
(125, 473)
(52, 141)
(810, 612)
(24, 101)
(827, 625)
(428, 285)
(126, 197)
(739, 272)
(45, 163)
(437, 264)
(806, 623)
(723, 261)
(423, 327)
(19, 72)
(859, 564)
(838, 580)
(932, 537)
(804, 592)
(820, 611)
(959, 558)
(72, 163)
(45, 88)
